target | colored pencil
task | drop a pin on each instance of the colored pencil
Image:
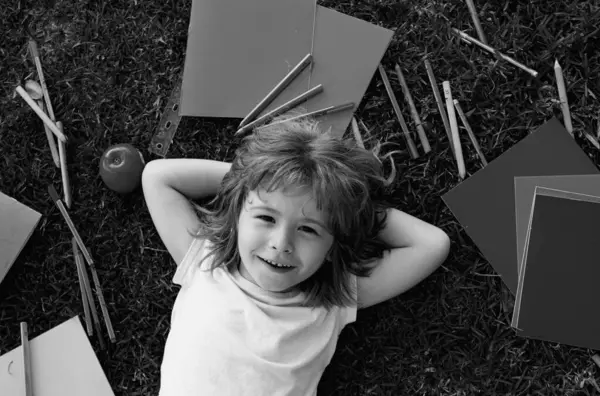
(495, 52)
(440, 102)
(562, 93)
(405, 132)
(463, 117)
(26, 359)
(277, 89)
(356, 132)
(62, 152)
(413, 110)
(282, 109)
(476, 21)
(460, 162)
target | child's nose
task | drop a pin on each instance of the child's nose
(281, 241)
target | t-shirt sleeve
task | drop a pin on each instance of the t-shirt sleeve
(348, 314)
(186, 268)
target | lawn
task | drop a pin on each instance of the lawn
(110, 69)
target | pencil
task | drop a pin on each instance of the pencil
(463, 117)
(316, 113)
(440, 103)
(460, 162)
(413, 110)
(62, 152)
(592, 140)
(35, 92)
(476, 21)
(103, 308)
(281, 109)
(356, 132)
(82, 287)
(40, 113)
(277, 89)
(89, 296)
(26, 359)
(495, 52)
(362, 124)
(50, 136)
(67, 218)
(562, 93)
(388, 87)
(38, 64)
(88, 258)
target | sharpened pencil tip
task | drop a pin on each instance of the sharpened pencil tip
(556, 64)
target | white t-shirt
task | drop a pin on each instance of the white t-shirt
(230, 337)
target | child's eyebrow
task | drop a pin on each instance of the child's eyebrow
(275, 211)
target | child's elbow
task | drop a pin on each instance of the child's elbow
(439, 245)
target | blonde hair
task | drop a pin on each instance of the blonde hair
(346, 181)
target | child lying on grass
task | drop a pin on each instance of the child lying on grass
(293, 243)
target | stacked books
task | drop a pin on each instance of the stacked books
(532, 213)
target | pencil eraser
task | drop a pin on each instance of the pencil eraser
(53, 193)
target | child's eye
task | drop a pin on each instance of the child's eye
(309, 230)
(265, 218)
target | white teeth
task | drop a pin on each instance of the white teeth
(277, 264)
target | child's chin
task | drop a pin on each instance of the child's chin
(276, 288)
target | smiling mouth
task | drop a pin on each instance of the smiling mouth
(275, 264)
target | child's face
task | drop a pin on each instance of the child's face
(284, 227)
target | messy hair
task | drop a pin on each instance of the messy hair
(345, 180)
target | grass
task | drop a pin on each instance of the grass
(110, 70)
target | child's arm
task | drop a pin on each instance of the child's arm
(168, 185)
(194, 178)
(416, 250)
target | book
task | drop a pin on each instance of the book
(237, 51)
(17, 223)
(557, 291)
(63, 363)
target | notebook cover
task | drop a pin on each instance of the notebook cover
(63, 363)
(17, 223)
(558, 295)
(346, 54)
(484, 203)
(524, 193)
(237, 51)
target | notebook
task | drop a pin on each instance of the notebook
(237, 51)
(63, 363)
(17, 223)
(557, 296)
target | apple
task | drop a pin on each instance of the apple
(121, 168)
